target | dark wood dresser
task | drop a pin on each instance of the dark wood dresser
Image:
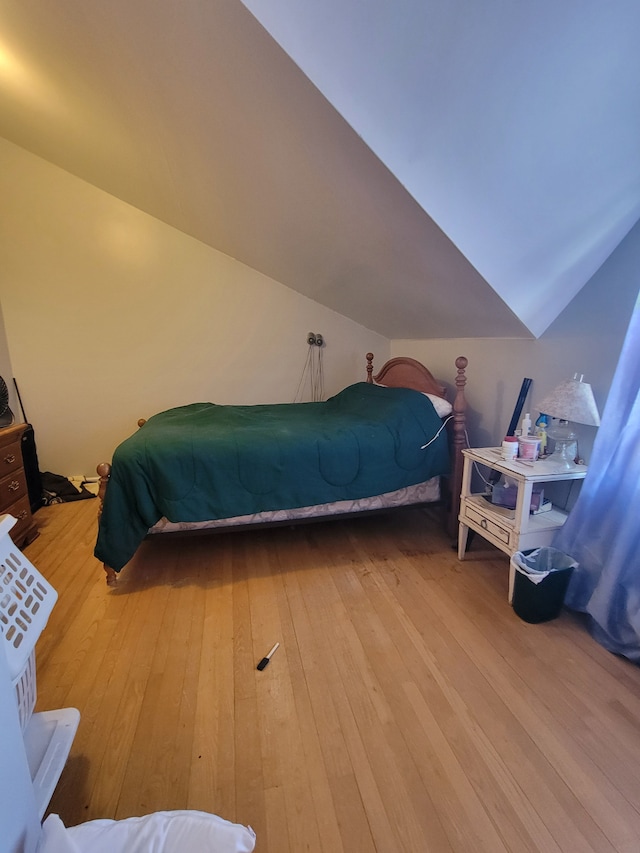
(14, 496)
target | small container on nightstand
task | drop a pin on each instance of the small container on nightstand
(510, 448)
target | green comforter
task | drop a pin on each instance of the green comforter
(206, 461)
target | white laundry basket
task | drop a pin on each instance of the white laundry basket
(26, 601)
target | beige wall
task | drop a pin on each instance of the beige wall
(111, 315)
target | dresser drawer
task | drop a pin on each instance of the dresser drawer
(12, 489)
(21, 510)
(476, 518)
(10, 458)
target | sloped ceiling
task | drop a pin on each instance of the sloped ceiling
(515, 125)
(429, 169)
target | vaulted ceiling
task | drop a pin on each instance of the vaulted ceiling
(429, 168)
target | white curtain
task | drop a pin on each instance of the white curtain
(603, 530)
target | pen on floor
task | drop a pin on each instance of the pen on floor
(265, 660)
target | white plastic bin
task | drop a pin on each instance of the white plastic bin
(26, 602)
(24, 686)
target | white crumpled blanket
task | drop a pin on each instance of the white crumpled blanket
(160, 832)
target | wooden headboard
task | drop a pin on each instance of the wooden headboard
(404, 372)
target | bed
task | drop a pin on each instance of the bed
(392, 440)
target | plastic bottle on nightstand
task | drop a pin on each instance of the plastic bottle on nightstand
(526, 425)
(541, 431)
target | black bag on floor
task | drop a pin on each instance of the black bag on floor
(56, 489)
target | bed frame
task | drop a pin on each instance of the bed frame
(401, 372)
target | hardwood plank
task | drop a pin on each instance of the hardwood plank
(536, 707)
(349, 735)
(407, 709)
(566, 817)
(310, 746)
(433, 757)
(284, 762)
(212, 767)
(392, 771)
(248, 768)
(341, 817)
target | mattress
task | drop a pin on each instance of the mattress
(428, 492)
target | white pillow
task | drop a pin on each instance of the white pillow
(443, 407)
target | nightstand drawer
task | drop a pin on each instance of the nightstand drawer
(503, 534)
(10, 458)
(12, 489)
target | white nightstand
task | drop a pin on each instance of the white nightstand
(523, 530)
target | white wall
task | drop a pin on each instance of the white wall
(111, 315)
(586, 338)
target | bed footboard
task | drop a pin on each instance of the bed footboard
(104, 472)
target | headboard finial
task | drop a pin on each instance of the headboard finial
(370, 368)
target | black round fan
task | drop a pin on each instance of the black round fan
(6, 415)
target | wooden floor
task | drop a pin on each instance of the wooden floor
(407, 709)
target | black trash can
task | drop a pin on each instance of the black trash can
(538, 583)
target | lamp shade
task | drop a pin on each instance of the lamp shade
(572, 400)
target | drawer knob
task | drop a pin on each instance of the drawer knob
(14, 485)
(22, 515)
(10, 458)
(483, 524)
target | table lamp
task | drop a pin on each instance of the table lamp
(572, 400)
